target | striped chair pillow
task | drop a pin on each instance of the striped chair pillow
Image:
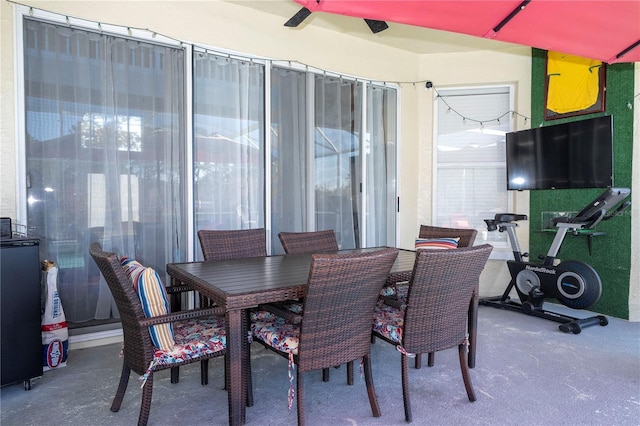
(133, 268)
(437, 243)
(153, 297)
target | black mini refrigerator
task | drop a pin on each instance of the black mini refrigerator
(20, 310)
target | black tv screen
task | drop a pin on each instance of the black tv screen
(571, 155)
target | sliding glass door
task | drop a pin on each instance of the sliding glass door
(332, 167)
(338, 118)
(105, 144)
(291, 165)
(137, 145)
(228, 160)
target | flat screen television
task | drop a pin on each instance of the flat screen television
(571, 155)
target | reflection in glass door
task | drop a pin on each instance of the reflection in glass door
(338, 111)
(105, 147)
(346, 182)
(229, 144)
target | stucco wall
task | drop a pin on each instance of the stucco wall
(7, 114)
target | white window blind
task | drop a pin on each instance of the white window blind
(470, 170)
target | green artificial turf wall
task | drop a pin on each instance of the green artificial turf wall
(611, 254)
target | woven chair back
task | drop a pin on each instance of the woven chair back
(339, 303)
(440, 291)
(138, 348)
(232, 244)
(308, 242)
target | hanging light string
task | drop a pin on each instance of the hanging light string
(293, 64)
(465, 119)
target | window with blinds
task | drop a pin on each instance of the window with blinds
(470, 168)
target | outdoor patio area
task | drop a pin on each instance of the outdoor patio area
(527, 373)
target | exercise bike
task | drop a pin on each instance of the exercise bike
(573, 283)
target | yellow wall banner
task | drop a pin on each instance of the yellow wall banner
(573, 82)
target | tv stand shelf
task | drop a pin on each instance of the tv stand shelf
(589, 233)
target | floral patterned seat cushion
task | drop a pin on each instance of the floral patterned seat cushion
(275, 331)
(281, 335)
(388, 321)
(294, 306)
(396, 290)
(193, 338)
(197, 337)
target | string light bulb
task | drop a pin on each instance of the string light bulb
(428, 84)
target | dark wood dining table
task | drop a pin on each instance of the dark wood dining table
(240, 284)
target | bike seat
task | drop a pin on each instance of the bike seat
(509, 217)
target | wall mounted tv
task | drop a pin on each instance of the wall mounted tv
(571, 155)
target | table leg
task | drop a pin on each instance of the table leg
(473, 329)
(246, 359)
(236, 386)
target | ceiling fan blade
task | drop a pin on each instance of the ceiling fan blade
(298, 18)
(376, 26)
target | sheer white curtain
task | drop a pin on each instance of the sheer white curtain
(380, 157)
(338, 114)
(105, 144)
(338, 160)
(229, 143)
(289, 155)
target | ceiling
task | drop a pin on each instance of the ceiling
(413, 39)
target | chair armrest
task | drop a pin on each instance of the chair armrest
(277, 309)
(182, 315)
(182, 288)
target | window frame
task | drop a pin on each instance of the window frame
(22, 11)
(502, 250)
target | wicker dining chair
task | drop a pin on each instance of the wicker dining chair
(466, 237)
(309, 242)
(231, 244)
(228, 245)
(339, 303)
(301, 243)
(435, 315)
(198, 334)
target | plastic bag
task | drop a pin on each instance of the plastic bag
(55, 334)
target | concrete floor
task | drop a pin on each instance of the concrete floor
(527, 373)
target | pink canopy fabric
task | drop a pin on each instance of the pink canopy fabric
(605, 30)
